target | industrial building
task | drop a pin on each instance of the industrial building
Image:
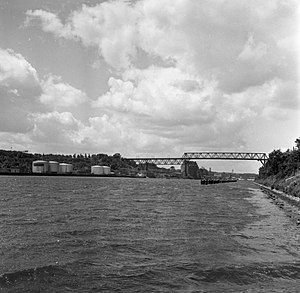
(190, 169)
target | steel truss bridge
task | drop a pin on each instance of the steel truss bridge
(261, 157)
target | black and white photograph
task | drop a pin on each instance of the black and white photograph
(149, 146)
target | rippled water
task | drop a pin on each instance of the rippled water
(143, 235)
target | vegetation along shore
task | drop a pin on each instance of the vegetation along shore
(282, 171)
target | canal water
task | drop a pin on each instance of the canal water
(66, 234)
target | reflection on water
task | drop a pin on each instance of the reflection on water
(143, 235)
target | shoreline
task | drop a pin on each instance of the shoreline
(280, 194)
(288, 203)
(67, 175)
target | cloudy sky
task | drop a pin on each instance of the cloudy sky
(149, 77)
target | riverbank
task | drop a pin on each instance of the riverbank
(290, 186)
(278, 194)
(288, 203)
(66, 175)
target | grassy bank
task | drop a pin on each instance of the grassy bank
(289, 185)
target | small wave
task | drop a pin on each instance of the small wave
(40, 273)
(76, 233)
(192, 275)
(244, 236)
(26, 221)
(4, 215)
(123, 248)
(243, 275)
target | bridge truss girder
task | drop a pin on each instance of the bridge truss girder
(261, 157)
(159, 161)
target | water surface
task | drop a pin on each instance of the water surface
(66, 234)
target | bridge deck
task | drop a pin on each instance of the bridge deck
(261, 157)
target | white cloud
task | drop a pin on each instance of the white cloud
(275, 99)
(109, 26)
(15, 71)
(57, 94)
(184, 73)
(14, 141)
(162, 30)
(253, 51)
(204, 38)
(19, 89)
(182, 110)
(112, 133)
(157, 96)
(24, 95)
(50, 23)
(55, 127)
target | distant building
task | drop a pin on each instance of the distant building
(40, 166)
(190, 169)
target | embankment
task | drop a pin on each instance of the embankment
(280, 195)
(289, 186)
(288, 203)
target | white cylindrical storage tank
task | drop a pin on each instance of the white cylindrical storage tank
(69, 168)
(40, 166)
(63, 168)
(106, 170)
(53, 167)
(97, 170)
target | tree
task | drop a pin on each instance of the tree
(297, 142)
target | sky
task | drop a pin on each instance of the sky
(150, 78)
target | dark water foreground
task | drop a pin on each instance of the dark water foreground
(147, 235)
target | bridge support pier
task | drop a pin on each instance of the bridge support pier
(185, 168)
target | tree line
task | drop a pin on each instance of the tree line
(281, 165)
(81, 163)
